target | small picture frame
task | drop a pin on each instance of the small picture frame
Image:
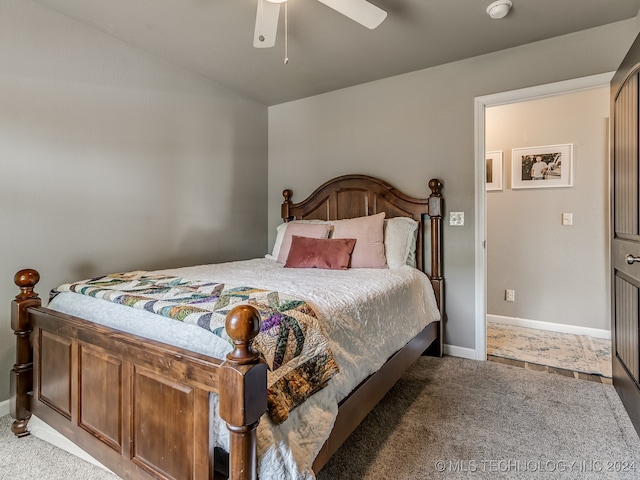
(494, 170)
(542, 167)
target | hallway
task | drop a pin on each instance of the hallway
(577, 356)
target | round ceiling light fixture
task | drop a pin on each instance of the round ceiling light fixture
(499, 9)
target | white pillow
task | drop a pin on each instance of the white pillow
(411, 259)
(278, 243)
(400, 235)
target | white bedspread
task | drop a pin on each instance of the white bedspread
(367, 315)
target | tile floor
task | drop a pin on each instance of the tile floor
(577, 356)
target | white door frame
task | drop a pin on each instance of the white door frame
(481, 103)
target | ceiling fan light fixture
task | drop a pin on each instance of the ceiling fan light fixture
(499, 9)
(264, 35)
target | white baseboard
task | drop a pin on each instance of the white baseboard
(4, 408)
(552, 327)
(462, 352)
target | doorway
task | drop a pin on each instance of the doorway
(512, 100)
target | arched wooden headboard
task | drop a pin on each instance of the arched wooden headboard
(351, 196)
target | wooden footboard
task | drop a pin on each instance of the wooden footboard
(142, 408)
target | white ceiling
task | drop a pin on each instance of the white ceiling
(327, 51)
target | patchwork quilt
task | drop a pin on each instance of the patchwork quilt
(290, 341)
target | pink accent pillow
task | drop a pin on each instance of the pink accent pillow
(330, 253)
(369, 233)
(311, 230)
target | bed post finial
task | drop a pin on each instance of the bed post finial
(242, 388)
(21, 375)
(436, 187)
(243, 325)
(26, 279)
(284, 210)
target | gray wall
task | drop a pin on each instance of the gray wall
(413, 127)
(113, 160)
(559, 272)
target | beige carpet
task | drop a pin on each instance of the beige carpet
(578, 353)
(30, 458)
(452, 418)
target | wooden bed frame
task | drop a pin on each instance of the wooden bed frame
(144, 408)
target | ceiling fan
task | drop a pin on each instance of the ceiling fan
(360, 11)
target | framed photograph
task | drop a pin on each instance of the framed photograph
(494, 170)
(542, 167)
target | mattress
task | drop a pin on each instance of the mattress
(367, 315)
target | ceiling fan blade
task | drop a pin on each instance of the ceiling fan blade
(360, 11)
(264, 35)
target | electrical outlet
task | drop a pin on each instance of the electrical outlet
(456, 219)
(510, 295)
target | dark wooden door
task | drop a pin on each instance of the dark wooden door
(625, 240)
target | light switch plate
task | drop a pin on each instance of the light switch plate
(456, 218)
(567, 219)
